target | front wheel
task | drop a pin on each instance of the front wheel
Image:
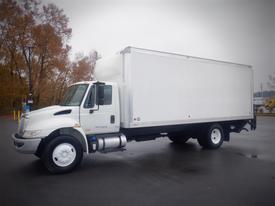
(212, 138)
(62, 154)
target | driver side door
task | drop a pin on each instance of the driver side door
(98, 119)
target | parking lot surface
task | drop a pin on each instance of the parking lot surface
(241, 172)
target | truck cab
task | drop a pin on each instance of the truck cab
(88, 108)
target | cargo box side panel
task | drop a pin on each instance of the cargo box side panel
(168, 90)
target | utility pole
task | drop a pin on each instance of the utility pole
(30, 69)
(28, 58)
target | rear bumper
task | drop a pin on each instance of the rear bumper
(23, 145)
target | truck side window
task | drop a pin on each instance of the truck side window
(90, 100)
(107, 94)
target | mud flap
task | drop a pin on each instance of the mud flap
(253, 123)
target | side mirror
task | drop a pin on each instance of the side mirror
(100, 96)
(99, 93)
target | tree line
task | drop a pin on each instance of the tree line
(34, 55)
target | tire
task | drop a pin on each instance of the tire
(212, 138)
(179, 139)
(201, 141)
(62, 154)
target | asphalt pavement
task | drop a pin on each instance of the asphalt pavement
(241, 172)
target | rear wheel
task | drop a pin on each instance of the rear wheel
(62, 154)
(212, 138)
(179, 139)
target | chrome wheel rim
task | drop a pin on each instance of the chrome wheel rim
(64, 154)
(216, 136)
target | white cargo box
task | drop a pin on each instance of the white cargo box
(159, 88)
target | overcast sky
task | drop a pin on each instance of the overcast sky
(241, 31)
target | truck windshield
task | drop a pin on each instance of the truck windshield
(74, 95)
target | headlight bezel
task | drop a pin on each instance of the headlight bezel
(31, 133)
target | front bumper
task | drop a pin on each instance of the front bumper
(23, 145)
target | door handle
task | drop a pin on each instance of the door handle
(112, 119)
(91, 111)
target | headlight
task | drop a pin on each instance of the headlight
(31, 133)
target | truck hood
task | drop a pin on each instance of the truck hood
(47, 110)
(42, 118)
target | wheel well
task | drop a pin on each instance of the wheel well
(62, 131)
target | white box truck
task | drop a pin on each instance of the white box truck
(140, 95)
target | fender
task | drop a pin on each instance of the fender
(64, 125)
(80, 130)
